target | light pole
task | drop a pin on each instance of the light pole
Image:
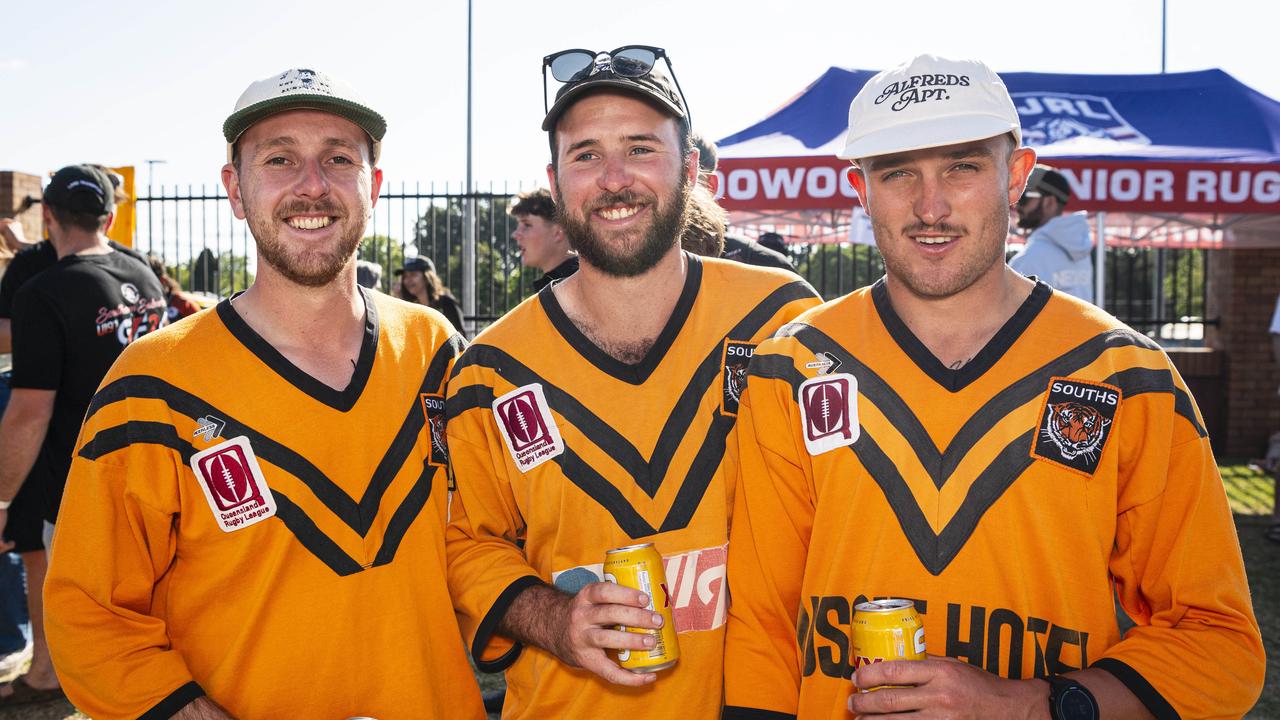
(469, 211)
(151, 169)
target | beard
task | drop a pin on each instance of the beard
(954, 274)
(646, 247)
(306, 266)
(1029, 219)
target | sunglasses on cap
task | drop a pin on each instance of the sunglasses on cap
(631, 61)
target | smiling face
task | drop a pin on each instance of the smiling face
(941, 215)
(306, 185)
(621, 182)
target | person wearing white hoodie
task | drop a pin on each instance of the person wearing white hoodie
(1058, 250)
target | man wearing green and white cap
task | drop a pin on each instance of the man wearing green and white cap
(257, 499)
(1008, 457)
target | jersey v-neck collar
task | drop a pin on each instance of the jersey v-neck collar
(340, 400)
(987, 357)
(633, 374)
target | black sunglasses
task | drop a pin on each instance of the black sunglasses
(632, 61)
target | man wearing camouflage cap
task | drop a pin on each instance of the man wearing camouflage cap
(254, 521)
(1007, 457)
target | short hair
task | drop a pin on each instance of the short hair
(68, 218)
(534, 202)
(708, 157)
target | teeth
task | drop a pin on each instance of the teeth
(309, 223)
(933, 240)
(618, 213)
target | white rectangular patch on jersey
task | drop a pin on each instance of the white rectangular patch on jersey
(525, 421)
(829, 412)
(233, 484)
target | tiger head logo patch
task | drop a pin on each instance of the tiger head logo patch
(433, 410)
(1075, 423)
(737, 355)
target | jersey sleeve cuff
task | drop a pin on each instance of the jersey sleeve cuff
(734, 712)
(490, 623)
(176, 700)
(1138, 685)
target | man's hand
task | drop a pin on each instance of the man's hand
(11, 232)
(579, 628)
(942, 687)
(202, 708)
(4, 518)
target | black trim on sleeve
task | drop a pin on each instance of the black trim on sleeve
(340, 400)
(733, 712)
(490, 623)
(1139, 686)
(176, 700)
(634, 374)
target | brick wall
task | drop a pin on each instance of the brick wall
(1244, 286)
(14, 188)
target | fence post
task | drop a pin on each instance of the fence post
(1100, 262)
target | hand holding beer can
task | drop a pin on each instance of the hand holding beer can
(640, 567)
(886, 630)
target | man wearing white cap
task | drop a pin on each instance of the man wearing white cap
(256, 504)
(1007, 457)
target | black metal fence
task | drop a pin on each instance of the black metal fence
(1159, 291)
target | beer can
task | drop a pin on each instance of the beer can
(640, 567)
(886, 630)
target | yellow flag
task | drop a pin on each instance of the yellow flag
(122, 229)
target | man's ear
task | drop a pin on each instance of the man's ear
(1021, 162)
(713, 183)
(231, 181)
(859, 182)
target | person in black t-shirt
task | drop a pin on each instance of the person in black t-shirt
(542, 242)
(70, 322)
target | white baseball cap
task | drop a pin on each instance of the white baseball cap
(929, 102)
(297, 89)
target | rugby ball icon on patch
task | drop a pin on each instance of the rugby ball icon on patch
(233, 484)
(526, 424)
(829, 412)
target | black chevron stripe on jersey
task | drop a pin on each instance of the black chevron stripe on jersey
(937, 550)
(359, 516)
(649, 474)
(135, 432)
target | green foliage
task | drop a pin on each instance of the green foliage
(501, 282)
(229, 274)
(837, 269)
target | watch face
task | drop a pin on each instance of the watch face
(1075, 704)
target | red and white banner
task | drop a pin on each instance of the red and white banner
(818, 182)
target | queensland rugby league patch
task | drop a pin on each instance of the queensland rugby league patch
(829, 412)
(233, 484)
(1075, 422)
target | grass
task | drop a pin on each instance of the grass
(1252, 496)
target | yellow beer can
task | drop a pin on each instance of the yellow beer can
(887, 629)
(640, 567)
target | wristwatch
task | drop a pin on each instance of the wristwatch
(1069, 700)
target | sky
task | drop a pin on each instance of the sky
(125, 82)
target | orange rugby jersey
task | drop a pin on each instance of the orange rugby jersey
(1010, 499)
(234, 527)
(561, 452)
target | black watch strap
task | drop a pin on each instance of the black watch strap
(1069, 700)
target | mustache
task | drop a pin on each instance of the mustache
(299, 207)
(941, 228)
(625, 197)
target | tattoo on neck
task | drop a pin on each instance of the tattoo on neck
(959, 364)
